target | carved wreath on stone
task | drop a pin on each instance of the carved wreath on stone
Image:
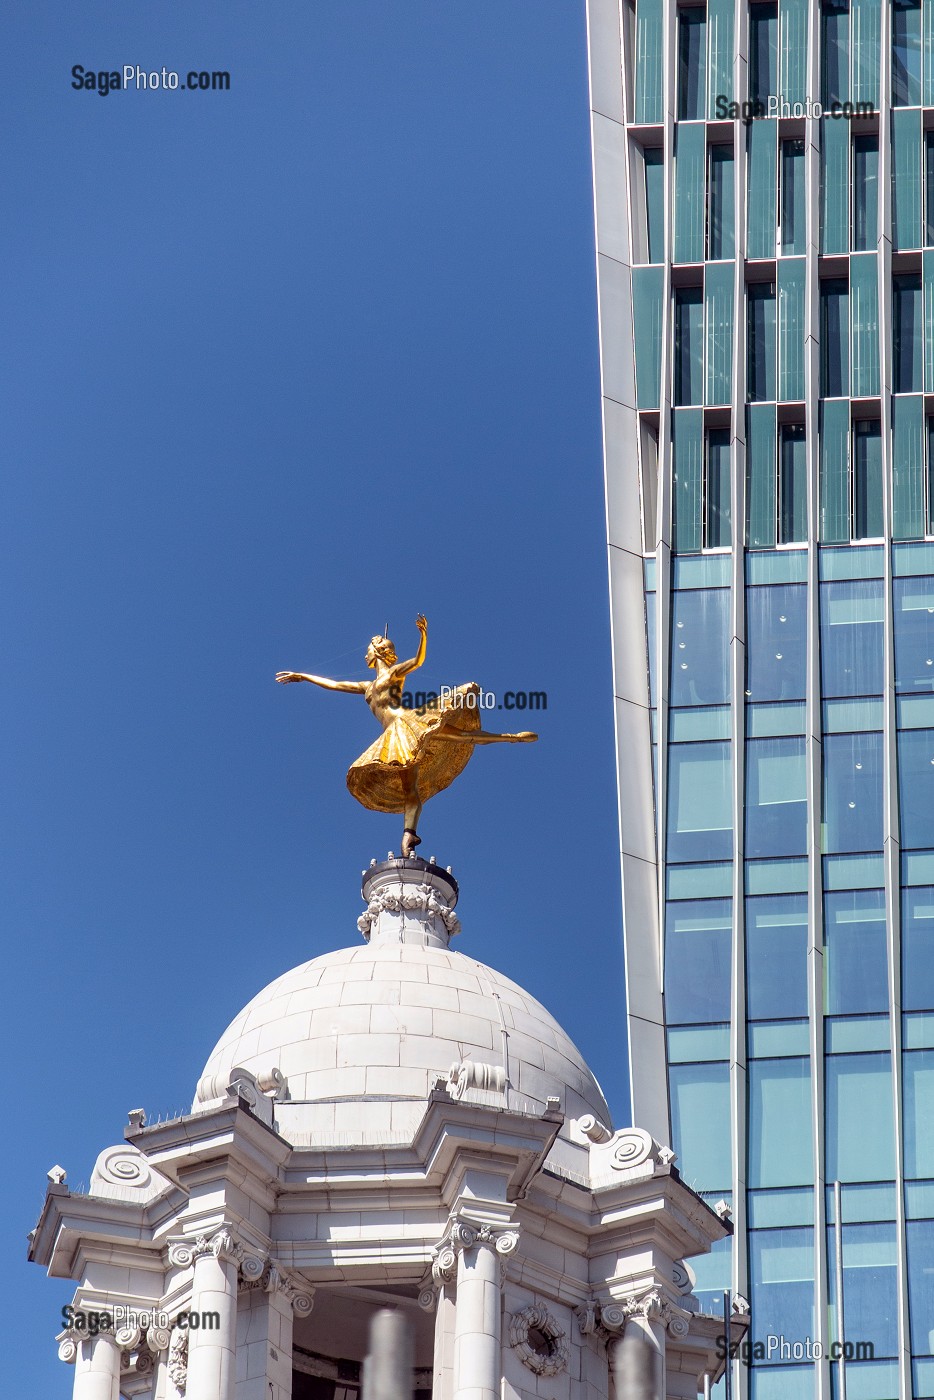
(539, 1341)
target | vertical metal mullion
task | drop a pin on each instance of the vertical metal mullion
(665, 497)
(813, 727)
(739, 1273)
(891, 843)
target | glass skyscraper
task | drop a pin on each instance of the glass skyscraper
(764, 193)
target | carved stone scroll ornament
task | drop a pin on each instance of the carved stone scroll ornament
(633, 1147)
(300, 1294)
(460, 1236)
(178, 1360)
(122, 1166)
(68, 1343)
(609, 1319)
(474, 1074)
(224, 1246)
(539, 1341)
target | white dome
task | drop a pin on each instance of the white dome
(378, 1021)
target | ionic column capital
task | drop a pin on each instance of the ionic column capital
(462, 1234)
(222, 1245)
(610, 1319)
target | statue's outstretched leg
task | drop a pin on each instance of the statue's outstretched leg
(480, 736)
(412, 812)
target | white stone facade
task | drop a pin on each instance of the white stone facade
(389, 1125)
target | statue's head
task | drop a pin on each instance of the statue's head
(380, 649)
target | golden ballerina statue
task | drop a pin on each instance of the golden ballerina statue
(420, 752)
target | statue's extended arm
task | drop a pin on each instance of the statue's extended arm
(287, 677)
(402, 668)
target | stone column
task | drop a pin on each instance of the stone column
(97, 1366)
(478, 1363)
(264, 1334)
(212, 1350)
(638, 1353)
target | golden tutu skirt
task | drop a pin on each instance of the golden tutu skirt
(410, 744)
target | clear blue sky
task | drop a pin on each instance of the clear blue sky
(280, 364)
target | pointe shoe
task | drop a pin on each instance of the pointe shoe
(410, 839)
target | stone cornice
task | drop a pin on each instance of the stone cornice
(229, 1131)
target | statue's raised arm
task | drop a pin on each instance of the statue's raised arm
(288, 677)
(420, 752)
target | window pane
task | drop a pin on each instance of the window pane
(791, 282)
(920, 1284)
(692, 64)
(906, 177)
(647, 312)
(834, 470)
(835, 52)
(855, 961)
(689, 345)
(780, 1151)
(919, 1113)
(916, 788)
(650, 43)
(718, 302)
(761, 476)
(852, 793)
(870, 1306)
(913, 600)
(908, 332)
(781, 1265)
(718, 488)
(908, 443)
(918, 949)
(720, 240)
(763, 52)
(700, 647)
(720, 15)
(865, 193)
(776, 656)
(835, 338)
(687, 444)
(700, 813)
(689, 194)
(794, 27)
(860, 1132)
(655, 203)
(698, 939)
(867, 480)
(865, 39)
(864, 325)
(851, 638)
(700, 1124)
(793, 485)
(760, 369)
(776, 957)
(793, 197)
(928, 189)
(776, 797)
(761, 188)
(906, 54)
(920, 1236)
